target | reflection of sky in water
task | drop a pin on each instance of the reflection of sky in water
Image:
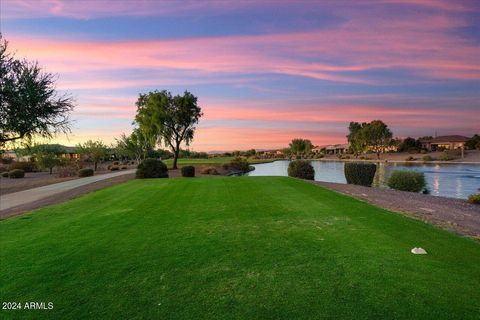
(449, 180)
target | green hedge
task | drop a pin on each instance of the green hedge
(188, 171)
(151, 168)
(85, 172)
(360, 173)
(16, 173)
(301, 169)
(411, 181)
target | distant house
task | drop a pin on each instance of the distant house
(444, 143)
(332, 148)
(69, 153)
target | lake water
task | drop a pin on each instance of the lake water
(447, 180)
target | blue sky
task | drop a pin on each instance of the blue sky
(264, 71)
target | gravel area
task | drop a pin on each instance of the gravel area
(456, 215)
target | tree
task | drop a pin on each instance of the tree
(46, 156)
(377, 136)
(287, 152)
(301, 146)
(135, 146)
(94, 151)
(29, 103)
(473, 143)
(168, 118)
(410, 145)
(250, 153)
(355, 138)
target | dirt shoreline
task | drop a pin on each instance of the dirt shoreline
(456, 215)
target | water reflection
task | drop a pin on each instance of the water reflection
(449, 180)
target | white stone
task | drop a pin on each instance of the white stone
(419, 251)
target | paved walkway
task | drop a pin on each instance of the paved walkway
(24, 197)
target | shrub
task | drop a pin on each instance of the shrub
(240, 164)
(188, 171)
(360, 173)
(85, 172)
(446, 157)
(365, 158)
(26, 166)
(123, 167)
(116, 163)
(409, 158)
(5, 174)
(211, 171)
(3, 169)
(114, 168)
(407, 181)
(16, 173)
(474, 198)
(6, 160)
(67, 171)
(151, 168)
(427, 158)
(125, 163)
(301, 169)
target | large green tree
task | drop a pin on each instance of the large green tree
(94, 151)
(29, 103)
(300, 147)
(377, 136)
(355, 137)
(168, 119)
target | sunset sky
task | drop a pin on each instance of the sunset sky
(264, 71)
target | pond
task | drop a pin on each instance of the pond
(447, 180)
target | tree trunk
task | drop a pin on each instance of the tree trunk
(175, 158)
(51, 169)
(378, 155)
(95, 164)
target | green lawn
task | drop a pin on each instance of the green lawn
(218, 160)
(233, 248)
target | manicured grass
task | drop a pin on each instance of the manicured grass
(218, 160)
(233, 248)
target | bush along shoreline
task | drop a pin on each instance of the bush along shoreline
(410, 181)
(360, 173)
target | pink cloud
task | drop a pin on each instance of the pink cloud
(354, 47)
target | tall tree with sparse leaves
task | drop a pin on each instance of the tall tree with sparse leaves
(94, 151)
(47, 156)
(29, 103)
(168, 119)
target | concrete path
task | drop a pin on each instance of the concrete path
(23, 197)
